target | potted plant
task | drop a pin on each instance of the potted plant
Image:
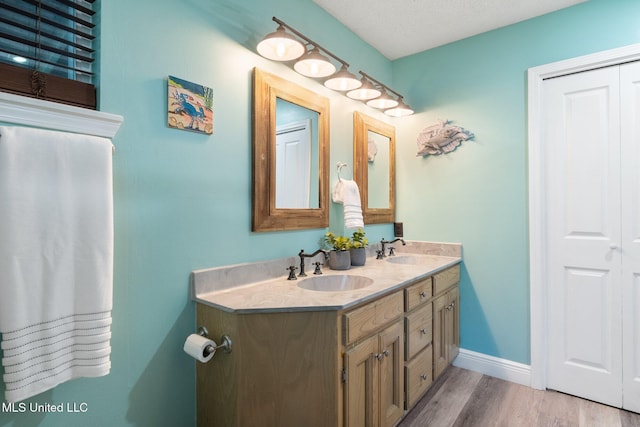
(339, 255)
(358, 244)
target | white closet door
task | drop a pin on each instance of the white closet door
(630, 106)
(582, 139)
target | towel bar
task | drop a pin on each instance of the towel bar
(340, 165)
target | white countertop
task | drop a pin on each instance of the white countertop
(233, 288)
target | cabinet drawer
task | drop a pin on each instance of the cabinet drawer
(419, 330)
(445, 279)
(418, 376)
(417, 294)
(366, 319)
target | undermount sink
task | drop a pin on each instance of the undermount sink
(411, 259)
(343, 282)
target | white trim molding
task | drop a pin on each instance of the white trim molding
(537, 208)
(22, 110)
(493, 366)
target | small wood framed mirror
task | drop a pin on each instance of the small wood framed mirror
(290, 155)
(374, 153)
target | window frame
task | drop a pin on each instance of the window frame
(32, 82)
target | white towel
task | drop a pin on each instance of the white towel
(346, 192)
(56, 258)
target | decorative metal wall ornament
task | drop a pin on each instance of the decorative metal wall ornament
(441, 138)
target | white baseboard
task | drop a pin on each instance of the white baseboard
(493, 366)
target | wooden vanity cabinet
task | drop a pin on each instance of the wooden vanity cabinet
(365, 366)
(284, 370)
(373, 358)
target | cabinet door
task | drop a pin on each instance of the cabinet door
(360, 392)
(453, 324)
(446, 330)
(391, 358)
(439, 335)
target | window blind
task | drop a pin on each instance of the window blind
(46, 50)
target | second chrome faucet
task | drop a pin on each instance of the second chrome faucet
(303, 255)
(382, 254)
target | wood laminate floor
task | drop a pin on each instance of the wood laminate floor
(466, 398)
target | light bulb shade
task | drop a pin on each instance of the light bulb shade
(280, 46)
(314, 65)
(401, 110)
(365, 92)
(343, 80)
(382, 102)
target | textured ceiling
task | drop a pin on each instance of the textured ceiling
(398, 28)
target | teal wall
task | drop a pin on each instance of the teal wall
(478, 195)
(183, 200)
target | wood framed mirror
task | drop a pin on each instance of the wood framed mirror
(374, 153)
(290, 155)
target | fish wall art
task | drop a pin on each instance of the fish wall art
(441, 138)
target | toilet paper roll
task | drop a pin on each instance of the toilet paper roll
(195, 346)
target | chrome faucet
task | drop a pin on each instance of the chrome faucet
(383, 242)
(302, 256)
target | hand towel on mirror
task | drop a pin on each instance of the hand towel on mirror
(56, 258)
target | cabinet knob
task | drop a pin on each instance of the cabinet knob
(423, 376)
(423, 331)
(382, 355)
(423, 294)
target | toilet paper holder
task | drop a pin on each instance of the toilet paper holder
(226, 343)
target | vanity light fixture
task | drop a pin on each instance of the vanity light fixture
(365, 92)
(382, 102)
(311, 61)
(401, 110)
(343, 81)
(313, 64)
(392, 107)
(280, 46)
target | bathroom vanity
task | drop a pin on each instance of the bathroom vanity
(305, 356)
